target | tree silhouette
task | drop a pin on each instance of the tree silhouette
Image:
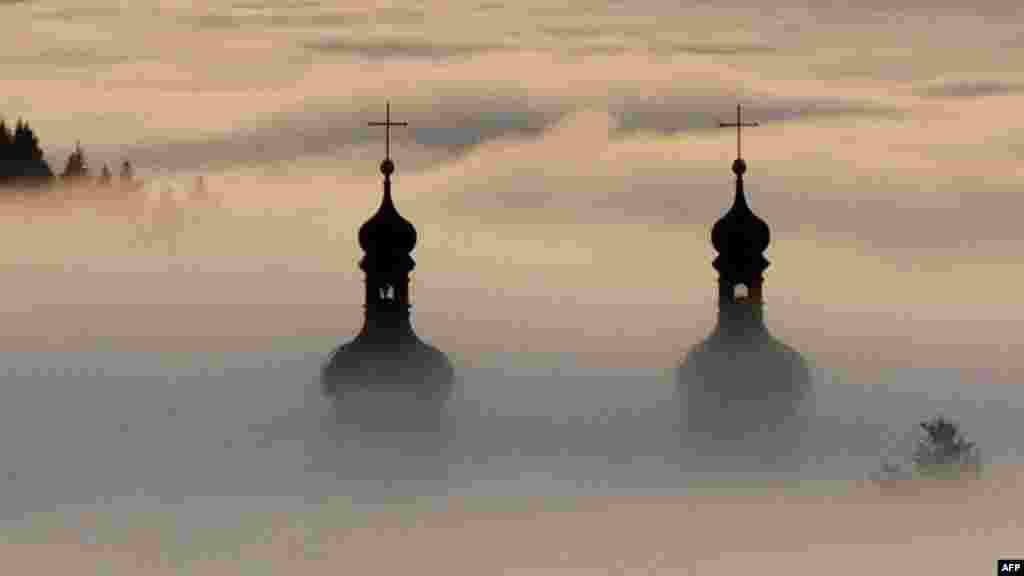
(6, 153)
(127, 174)
(199, 191)
(944, 452)
(76, 169)
(21, 158)
(105, 177)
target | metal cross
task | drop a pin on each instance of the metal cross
(387, 124)
(738, 124)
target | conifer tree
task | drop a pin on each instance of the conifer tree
(6, 154)
(105, 177)
(76, 168)
(199, 191)
(26, 163)
(19, 144)
(127, 174)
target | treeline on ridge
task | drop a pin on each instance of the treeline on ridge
(23, 165)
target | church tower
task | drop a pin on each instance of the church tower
(740, 237)
(387, 355)
(387, 239)
(741, 387)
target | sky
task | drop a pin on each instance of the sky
(557, 155)
(563, 165)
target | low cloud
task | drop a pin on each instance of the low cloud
(490, 6)
(968, 89)
(672, 49)
(448, 125)
(277, 4)
(584, 30)
(301, 15)
(610, 38)
(684, 112)
(616, 36)
(76, 12)
(67, 58)
(239, 20)
(399, 48)
(418, 49)
(835, 183)
(711, 49)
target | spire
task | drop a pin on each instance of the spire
(387, 234)
(740, 236)
(739, 166)
(387, 353)
(387, 167)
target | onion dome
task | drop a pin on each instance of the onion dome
(740, 236)
(386, 232)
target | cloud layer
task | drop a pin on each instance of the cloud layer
(537, 133)
(968, 89)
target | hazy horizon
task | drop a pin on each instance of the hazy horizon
(563, 167)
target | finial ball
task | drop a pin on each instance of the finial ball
(387, 167)
(739, 166)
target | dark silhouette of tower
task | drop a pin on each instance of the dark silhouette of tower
(742, 387)
(740, 238)
(387, 371)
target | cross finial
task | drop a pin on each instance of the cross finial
(738, 124)
(387, 124)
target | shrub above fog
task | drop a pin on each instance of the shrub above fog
(942, 452)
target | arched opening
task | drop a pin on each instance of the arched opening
(740, 292)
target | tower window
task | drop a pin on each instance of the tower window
(740, 292)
